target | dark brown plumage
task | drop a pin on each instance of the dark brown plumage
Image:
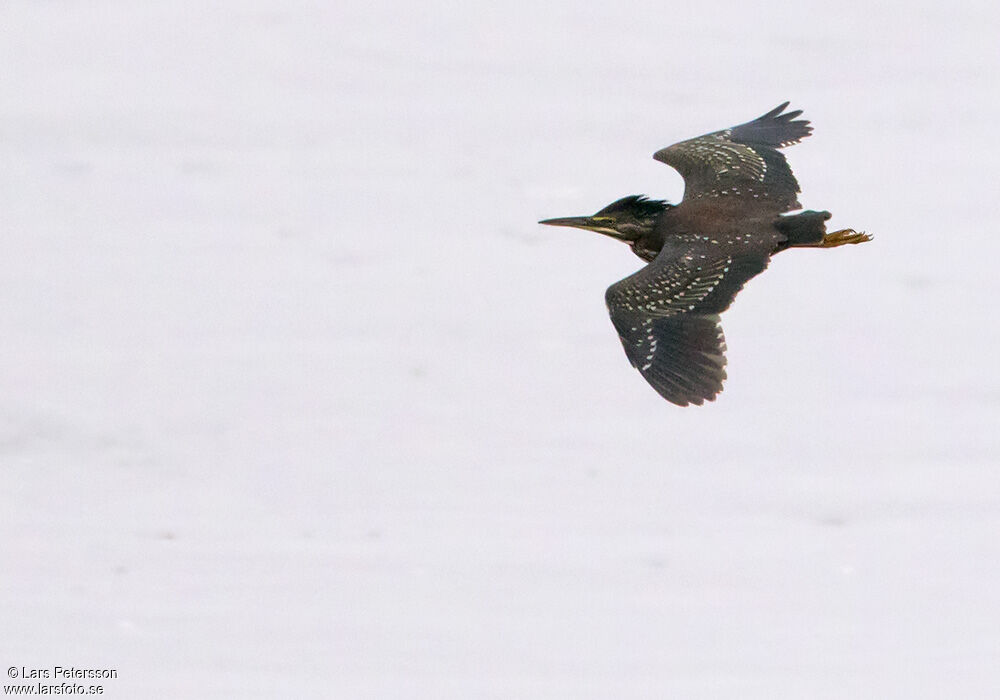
(738, 189)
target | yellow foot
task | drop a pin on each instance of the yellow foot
(843, 237)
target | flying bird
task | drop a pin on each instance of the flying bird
(738, 190)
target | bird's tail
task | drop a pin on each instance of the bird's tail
(803, 229)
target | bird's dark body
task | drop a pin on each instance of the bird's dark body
(722, 225)
(733, 218)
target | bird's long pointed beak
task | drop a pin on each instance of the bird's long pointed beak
(575, 221)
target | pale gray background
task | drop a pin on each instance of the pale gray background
(298, 400)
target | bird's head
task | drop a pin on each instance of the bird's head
(627, 219)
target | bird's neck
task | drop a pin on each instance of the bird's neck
(649, 242)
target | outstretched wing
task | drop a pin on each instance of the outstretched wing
(742, 161)
(667, 316)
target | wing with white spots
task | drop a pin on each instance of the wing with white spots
(667, 316)
(742, 162)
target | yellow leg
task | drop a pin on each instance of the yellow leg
(843, 237)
